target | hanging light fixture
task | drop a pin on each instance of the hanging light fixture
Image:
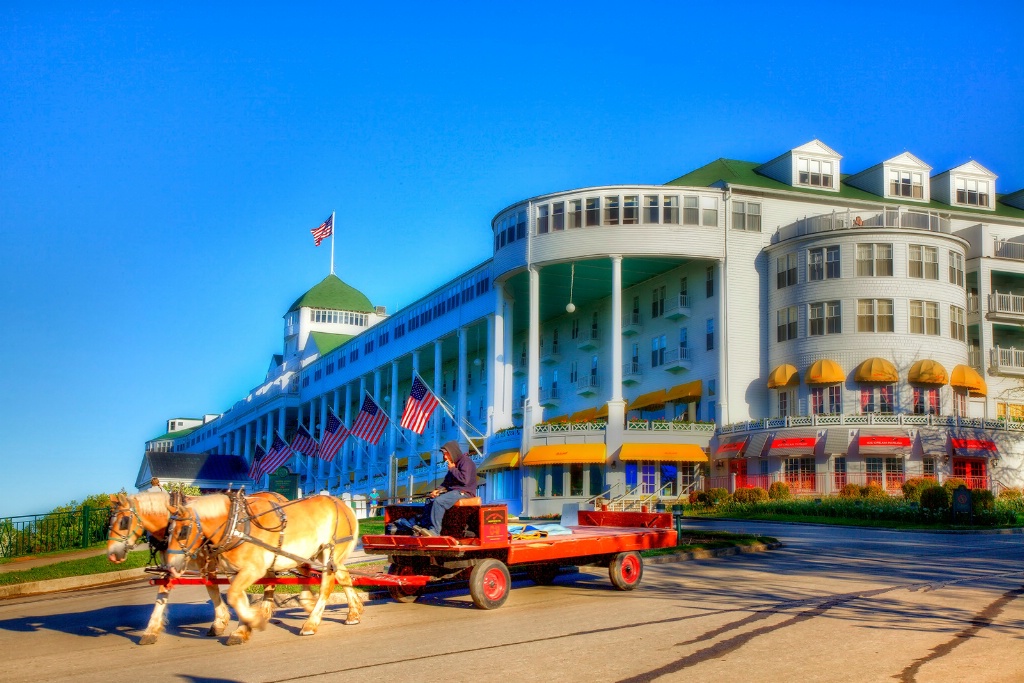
(571, 307)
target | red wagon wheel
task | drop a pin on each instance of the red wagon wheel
(626, 570)
(489, 583)
(403, 593)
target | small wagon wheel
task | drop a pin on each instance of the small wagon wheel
(489, 583)
(626, 570)
(403, 593)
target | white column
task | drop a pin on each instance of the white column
(259, 429)
(359, 446)
(414, 446)
(247, 449)
(460, 405)
(346, 463)
(438, 379)
(533, 413)
(393, 431)
(496, 373)
(375, 450)
(321, 465)
(616, 405)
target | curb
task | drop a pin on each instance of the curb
(714, 552)
(982, 532)
(70, 583)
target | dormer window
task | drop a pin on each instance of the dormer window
(906, 184)
(814, 172)
(972, 192)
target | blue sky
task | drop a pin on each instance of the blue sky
(160, 168)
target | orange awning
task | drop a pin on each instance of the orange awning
(687, 392)
(500, 461)
(966, 377)
(825, 372)
(876, 370)
(927, 372)
(672, 452)
(558, 418)
(783, 376)
(565, 453)
(585, 415)
(602, 411)
(648, 400)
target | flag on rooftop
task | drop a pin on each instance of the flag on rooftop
(278, 455)
(370, 423)
(303, 443)
(325, 230)
(418, 407)
(254, 468)
(334, 437)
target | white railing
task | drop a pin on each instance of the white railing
(973, 303)
(679, 305)
(631, 369)
(1008, 359)
(631, 319)
(587, 339)
(974, 357)
(569, 427)
(549, 395)
(895, 420)
(670, 426)
(587, 382)
(1010, 250)
(896, 217)
(677, 355)
(1006, 303)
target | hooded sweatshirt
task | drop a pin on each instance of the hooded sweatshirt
(462, 477)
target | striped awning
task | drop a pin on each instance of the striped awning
(966, 377)
(896, 442)
(500, 461)
(837, 441)
(927, 372)
(755, 447)
(565, 453)
(732, 446)
(793, 442)
(824, 372)
(784, 375)
(687, 392)
(972, 445)
(686, 452)
(651, 399)
(876, 370)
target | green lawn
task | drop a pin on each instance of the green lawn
(62, 570)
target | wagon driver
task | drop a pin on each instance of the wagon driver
(458, 483)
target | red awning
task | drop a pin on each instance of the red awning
(899, 444)
(783, 445)
(974, 448)
(732, 446)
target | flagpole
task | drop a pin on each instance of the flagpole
(333, 227)
(462, 431)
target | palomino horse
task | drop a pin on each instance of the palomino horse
(253, 537)
(133, 516)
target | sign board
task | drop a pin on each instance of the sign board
(961, 501)
(284, 482)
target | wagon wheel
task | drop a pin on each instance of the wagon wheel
(626, 570)
(403, 593)
(543, 574)
(489, 583)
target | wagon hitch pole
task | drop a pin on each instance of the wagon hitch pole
(677, 519)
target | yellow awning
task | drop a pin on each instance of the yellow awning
(421, 487)
(876, 370)
(499, 461)
(351, 476)
(687, 392)
(674, 452)
(478, 442)
(927, 372)
(648, 400)
(425, 456)
(824, 372)
(402, 463)
(966, 377)
(783, 376)
(585, 415)
(565, 453)
(559, 418)
(602, 411)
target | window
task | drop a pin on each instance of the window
(575, 213)
(611, 210)
(877, 399)
(709, 211)
(631, 209)
(785, 267)
(956, 268)
(786, 324)
(658, 302)
(521, 225)
(826, 400)
(657, 351)
(593, 211)
(906, 184)
(683, 289)
(926, 401)
(558, 216)
(651, 208)
(746, 216)
(709, 282)
(691, 210)
(924, 262)
(682, 342)
(924, 317)
(874, 315)
(957, 323)
(814, 172)
(823, 263)
(824, 318)
(542, 219)
(709, 334)
(711, 411)
(712, 386)
(928, 467)
(557, 480)
(874, 260)
(575, 328)
(670, 211)
(573, 372)
(784, 403)
(972, 192)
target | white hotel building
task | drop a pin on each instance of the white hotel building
(742, 324)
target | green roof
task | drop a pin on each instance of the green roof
(327, 342)
(333, 294)
(736, 172)
(176, 435)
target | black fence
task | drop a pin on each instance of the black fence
(33, 534)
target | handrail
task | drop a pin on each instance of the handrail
(607, 493)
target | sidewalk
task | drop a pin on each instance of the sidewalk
(32, 561)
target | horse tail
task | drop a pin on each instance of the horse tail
(346, 530)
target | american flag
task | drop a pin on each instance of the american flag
(370, 423)
(277, 455)
(418, 407)
(254, 468)
(325, 230)
(334, 437)
(303, 443)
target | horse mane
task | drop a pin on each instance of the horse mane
(207, 506)
(152, 502)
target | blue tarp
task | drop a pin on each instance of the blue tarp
(547, 529)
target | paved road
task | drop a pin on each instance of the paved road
(832, 605)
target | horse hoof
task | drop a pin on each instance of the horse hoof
(351, 622)
(307, 632)
(235, 640)
(214, 631)
(147, 639)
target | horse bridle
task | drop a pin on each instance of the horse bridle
(195, 541)
(127, 525)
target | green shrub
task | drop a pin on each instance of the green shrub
(779, 490)
(982, 501)
(1011, 494)
(753, 495)
(936, 499)
(873, 491)
(712, 497)
(850, 491)
(953, 484)
(913, 487)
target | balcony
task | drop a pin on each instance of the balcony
(678, 308)
(973, 302)
(861, 420)
(549, 355)
(549, 398)
(1009, 307)
(587, 385)
(520, 365)
(587, 340)
(676, 360)
(1009, 250)
(632, 372)
(517, 405)
(974, 357)
(883, 217)
(631, 323)
(1007, 361)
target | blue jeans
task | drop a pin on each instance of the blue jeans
(436, 508)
